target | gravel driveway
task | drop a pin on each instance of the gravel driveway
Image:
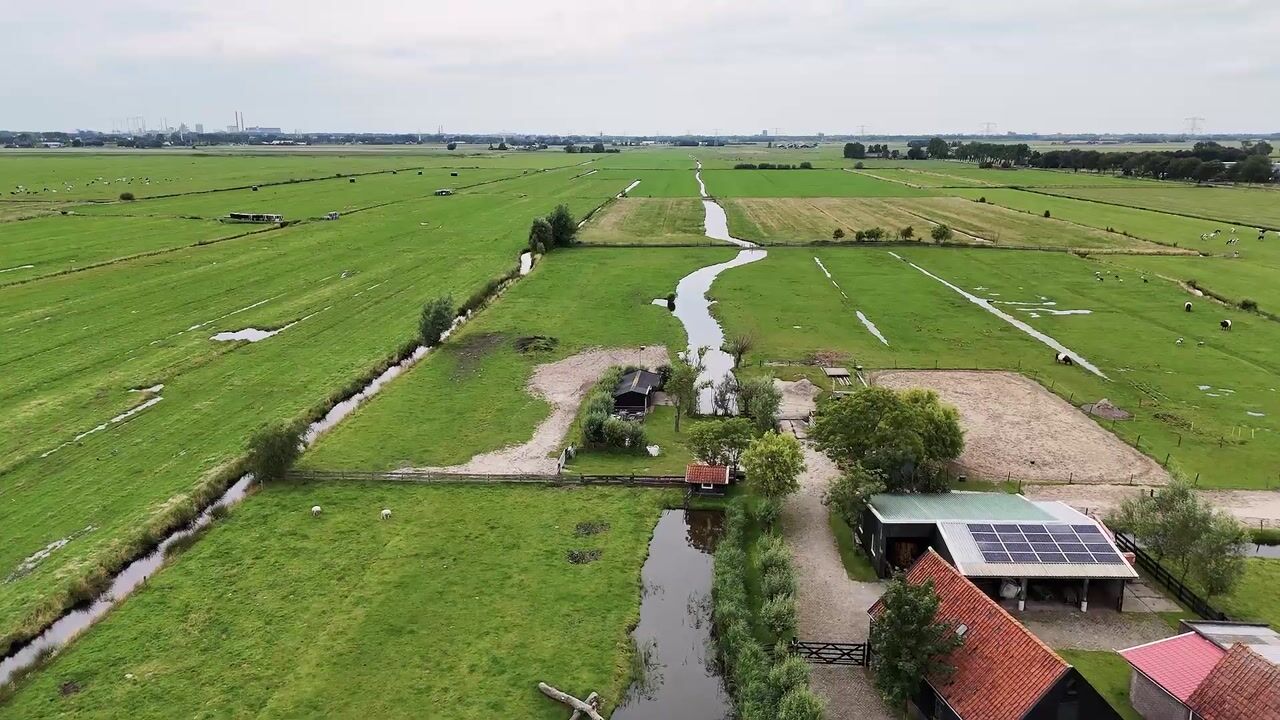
(830, 606)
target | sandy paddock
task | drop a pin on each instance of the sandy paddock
(1015, 428)
(563, 384)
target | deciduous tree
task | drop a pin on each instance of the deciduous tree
(564, 228)
(910, 643)
(437, 317)
(720, 442)
(273, 450)
(773, 464)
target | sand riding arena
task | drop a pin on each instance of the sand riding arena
(1016, 429)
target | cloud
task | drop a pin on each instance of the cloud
(803, 65)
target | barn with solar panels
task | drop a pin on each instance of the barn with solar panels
(1011, 547)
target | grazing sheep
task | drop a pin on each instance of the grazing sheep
(1225, 324)
(1064, 359)
(1178, 341)
(315, 511)
(1187, 306)
(386, 514)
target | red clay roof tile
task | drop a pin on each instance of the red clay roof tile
(1002, 669)
(1243, 686)
(706, 474)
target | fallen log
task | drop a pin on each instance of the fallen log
(593, 700)
(573, 702)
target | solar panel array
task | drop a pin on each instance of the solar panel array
(1034, 543)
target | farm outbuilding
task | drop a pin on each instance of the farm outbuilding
(1186, 675)
(1009, 546)
(707, 479)
(1001, 670)
(634, 392)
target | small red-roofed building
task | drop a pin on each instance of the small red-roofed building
(706, 479)
(1167, 672)
(1002, 670)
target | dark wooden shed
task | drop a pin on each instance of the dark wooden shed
(634, 392)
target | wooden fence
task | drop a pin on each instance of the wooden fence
(1184, 594)
(420, 476)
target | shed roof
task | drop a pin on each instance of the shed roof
(1177, 664)
(969, 559)
(637, 381)
(699, 474)
(1243, 686)
(937, 507)
(1002, 670)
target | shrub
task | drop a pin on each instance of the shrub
(768, 510)
(541, 235)
(801, 704)
(778, 582)
(126, 196)
(986, 164)
(858, 165)
(789, 673)
(564, 228)
(593, 428)
(875, 233)
(982, 199)
(907, 232)
(773, 465)
(745, 166)
(671, 305)
(940, 233)
(1046, 213)
(806, 165)
(437, 317)
(1249, 304)
(773, 554)
(779, 616)
(273, 450)
(837, 234)
(615, 432)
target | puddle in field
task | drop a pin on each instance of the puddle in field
(628, 189)
(824, 269)
(20, 267)
(33, 560)
(526, 262)
(99, 428)
(255, 335)
(674, 643)
(871, 327)
(987, 305)
(152, 389)
(133, 575)
(1252, 413)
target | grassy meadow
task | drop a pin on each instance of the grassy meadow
(456, 607)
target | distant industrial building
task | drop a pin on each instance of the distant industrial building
(256, 130)
(199, 128)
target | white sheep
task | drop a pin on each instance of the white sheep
(315, 511)
(386, 514)
(1178, 341)
(1225, 324)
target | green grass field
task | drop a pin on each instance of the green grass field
(1227, 206)
(354, 288)
(456, 607)
(795, 312)
(648, 221)
(802, 183)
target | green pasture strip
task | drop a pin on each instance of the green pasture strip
(1237, 280)
(1246, 208)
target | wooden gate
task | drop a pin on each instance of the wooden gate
(831, 653)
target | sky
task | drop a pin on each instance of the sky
(659, 66)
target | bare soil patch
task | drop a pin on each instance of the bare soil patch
(799, 398)
(563, 384)
(1016, 429)
(1252, 507)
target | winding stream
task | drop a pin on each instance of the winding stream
(693, 309)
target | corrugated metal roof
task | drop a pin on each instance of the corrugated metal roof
(972, 506)
(968, 559)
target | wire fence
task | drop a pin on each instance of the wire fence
(424, 476)
(1184, 594)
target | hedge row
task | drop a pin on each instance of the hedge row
(762, 687)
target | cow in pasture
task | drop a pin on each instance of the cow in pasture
(1225, 324)
(386, 514)
(1187, 306)
(315, 511)
(1063, 359)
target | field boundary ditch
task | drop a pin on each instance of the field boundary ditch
(444, 478)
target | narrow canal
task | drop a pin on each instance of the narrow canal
(675, 647)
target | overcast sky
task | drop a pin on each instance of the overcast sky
(802, 66)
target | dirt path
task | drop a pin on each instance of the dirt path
(830, 605)
(1015, 428)
(1250, 506)
(564, 384)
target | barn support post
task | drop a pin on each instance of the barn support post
(1084, 597)
(1022, 595)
